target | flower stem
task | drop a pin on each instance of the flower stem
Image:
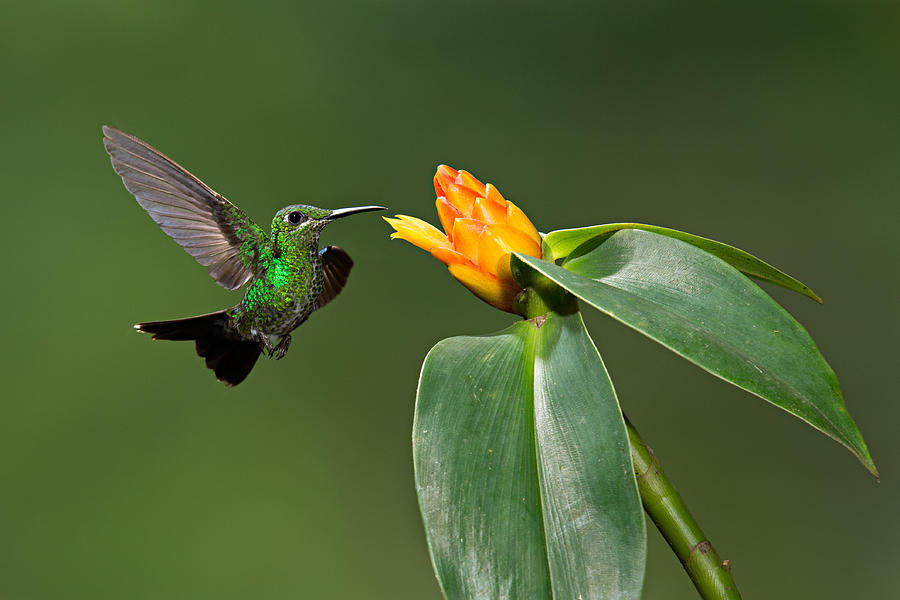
(539, 299)
(710, 574)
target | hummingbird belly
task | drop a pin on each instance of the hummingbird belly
(276, 306)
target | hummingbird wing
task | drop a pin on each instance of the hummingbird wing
(336, 265)
(210, 228)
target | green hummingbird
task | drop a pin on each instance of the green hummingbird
(289, 276)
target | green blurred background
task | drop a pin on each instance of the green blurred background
(127, 471)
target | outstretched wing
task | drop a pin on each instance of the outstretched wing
(209, 227)
(336, 265)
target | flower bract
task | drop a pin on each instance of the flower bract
(481, 230)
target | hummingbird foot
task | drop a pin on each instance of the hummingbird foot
(282, 347)
(265, 344)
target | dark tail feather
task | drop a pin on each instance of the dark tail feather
(232, 359)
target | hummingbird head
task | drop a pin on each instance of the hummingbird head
(301, 223)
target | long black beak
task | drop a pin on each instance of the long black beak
(346, 212)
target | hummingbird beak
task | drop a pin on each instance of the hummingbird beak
(346, 212)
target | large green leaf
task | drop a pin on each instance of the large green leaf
(562, 243)
(702, 308)
(473, 450)
(523, 468)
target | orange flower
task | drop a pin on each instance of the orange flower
(482, 229)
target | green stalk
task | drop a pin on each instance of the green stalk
(710, 574)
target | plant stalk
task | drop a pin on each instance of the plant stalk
(710, 574)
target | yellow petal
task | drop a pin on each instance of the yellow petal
(465, 237)
(493, 254)
(443, 178)
(516, 240)
(450, 257)
(517, 219)
(493, 195)
(466, 180)
(447, 213)
(489, 212)
(462, 198)
(417, 232)
(487, 287)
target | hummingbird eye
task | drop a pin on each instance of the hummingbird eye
(295, 217)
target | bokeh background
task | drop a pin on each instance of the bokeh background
(127, 471)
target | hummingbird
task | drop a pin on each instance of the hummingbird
(289, 276)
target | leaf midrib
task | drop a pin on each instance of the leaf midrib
(837, 435)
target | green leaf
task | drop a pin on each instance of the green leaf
(562, 243)
(523, 468)
(473, 450)
(703, 309)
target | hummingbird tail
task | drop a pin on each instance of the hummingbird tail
(231, 358)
